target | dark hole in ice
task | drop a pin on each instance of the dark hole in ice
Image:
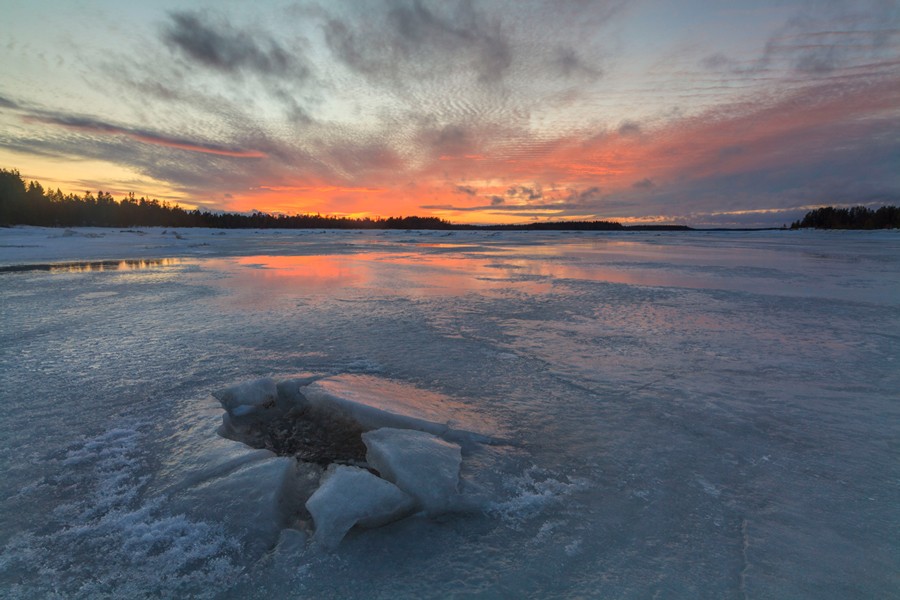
(307, 435)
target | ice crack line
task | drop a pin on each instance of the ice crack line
(745, 545)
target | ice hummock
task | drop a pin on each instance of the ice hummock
(388, 450)
(253, 500)
(351, 496)
(252, 396)
(374, 402)
(421, 464)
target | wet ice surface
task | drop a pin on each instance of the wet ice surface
(689, 414)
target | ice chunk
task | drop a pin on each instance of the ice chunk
(252, 396)
(254, 502)
(351, 496)
(221, 457)
(290, 395)
(421, 464)
(374, 403)
(202, 454)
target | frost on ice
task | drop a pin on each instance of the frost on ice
(366, 452)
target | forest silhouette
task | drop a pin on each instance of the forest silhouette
(858, 217)
(31, 204)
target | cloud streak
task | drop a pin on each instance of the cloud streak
(142, 135)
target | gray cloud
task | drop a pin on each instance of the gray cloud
(582, 197)
(218, 45)
(452, 140)
(643, 184)
(410, 36)
(822, 38)
(355, 159)
(629, 128)
(568, 64)
(576, 203)
(525, 193)
(95, 126)
(558, 207)
(718, 62)
(7, 103)
(467, 190)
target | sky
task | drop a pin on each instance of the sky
(730, 113)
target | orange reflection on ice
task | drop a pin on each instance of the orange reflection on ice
(256, 282)
(430, 274)
(311, 270)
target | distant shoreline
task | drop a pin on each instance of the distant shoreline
(31, 204)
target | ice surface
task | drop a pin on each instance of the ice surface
(291, 544)
(421, 464)
(695, 415)
(350, 496)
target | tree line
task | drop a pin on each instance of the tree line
(858, 217)
(31, 204)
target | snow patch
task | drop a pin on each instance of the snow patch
(147, 551)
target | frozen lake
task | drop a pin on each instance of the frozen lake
(687, 415)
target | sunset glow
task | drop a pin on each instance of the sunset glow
(476, 112)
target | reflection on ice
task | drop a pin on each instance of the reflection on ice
(94, 266)
(376, 402)
(382, 272)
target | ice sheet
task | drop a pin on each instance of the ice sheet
(691, 415)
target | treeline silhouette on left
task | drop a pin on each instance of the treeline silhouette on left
(31, 204)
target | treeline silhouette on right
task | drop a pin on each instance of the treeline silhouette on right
(858, 217)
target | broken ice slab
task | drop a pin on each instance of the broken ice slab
(245, 397)
(412, 437)
(253, 502)
(373, 403)
(350, 496)
(264, 398)
(421, 464)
